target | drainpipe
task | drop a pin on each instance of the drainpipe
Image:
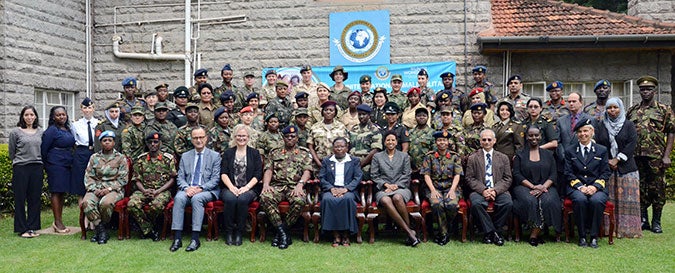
(466, 52)
(88, 48)
(157, 56)
(188, 34)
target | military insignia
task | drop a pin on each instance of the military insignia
(292, 130)
(605, 83)
(522, 134)
(509, 130)
(555, 84)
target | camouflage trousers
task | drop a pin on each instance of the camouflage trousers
(269, 202)
(146, 219)
(444, 208)
(100, 209)
(652, 183)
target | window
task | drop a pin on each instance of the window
(535, 89)
(46, 99)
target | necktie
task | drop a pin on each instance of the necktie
(586, 153)
(574, 122)
(198, 170)
(488, 171)
(91, 138)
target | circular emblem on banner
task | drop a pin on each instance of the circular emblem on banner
(382, 73)
(360, 39)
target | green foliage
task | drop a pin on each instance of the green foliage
(619, 6)
(670, 179)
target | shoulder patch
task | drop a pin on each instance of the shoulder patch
(168, 155)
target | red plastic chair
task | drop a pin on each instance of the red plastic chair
(462, 211)
(284, 207)
(360, 212)
(568, 211)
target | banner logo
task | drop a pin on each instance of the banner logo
(359, 42)
(358, 38)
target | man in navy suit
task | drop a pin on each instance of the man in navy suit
(198, 177)
(587, 172)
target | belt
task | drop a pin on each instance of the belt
(90, 148)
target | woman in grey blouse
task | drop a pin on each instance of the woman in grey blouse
(24, 151)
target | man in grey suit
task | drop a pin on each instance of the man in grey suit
(488, 175)
(198, 177)
(567, 137)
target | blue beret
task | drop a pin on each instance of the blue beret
(301, 95)
(153, 135)
(227, 95)
(181, 92)
(516, 78)
(106, 133)
(423, 72)
(391, 108)
(447, 74)
(201, 72)
(364, 107)
(480, 68)
(253, 95)
(129, 81)
(87, 102)
(289, 129)
(226, 67)
(441, 134)
(328, 103)
(555, 84)
(583, 122)
(479, 107)
(444, 95)
(602, 83)
(219, 111)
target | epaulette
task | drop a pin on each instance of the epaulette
(102, 121)
(303, 149)
(168, 155)
(140, 156)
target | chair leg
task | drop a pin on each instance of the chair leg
(566, 225)
(127, 229)
(305, 231)
(372, 227)
(612, 224)
(465, 225)
(209, 225)
(262, 226)
(167, 222)
(120, 225)
(516, 228)
(315, 221)
(83, 236)
(361, 218)
(254, 225)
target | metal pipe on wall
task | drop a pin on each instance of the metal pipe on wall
(188, 34)
(88, 47)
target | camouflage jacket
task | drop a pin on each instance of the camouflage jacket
(288, 166)
(153, 173)
(106, 171)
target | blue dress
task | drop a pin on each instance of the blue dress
(57, 155)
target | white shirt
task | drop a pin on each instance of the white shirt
(340, 169)
(79, 130)
(488, 169)
(583, 151)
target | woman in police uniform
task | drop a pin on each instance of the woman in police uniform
(549, 135)
(510, 134)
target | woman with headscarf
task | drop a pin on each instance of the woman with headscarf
(619, 135)
(111, 123)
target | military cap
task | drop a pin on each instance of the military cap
(647, 81)
(153, 135)
(446, 110)
(191, 105)
(201, 72)
(515, 78)
(364, 79)
(447, 74)
(396, 77)
(305, 68)
(340, 69)
(602, 83)
(444, 95)
(414, 91)
(479, 107)
(391, 108)
(354, 93)
(328, 103)
(247, 109)
(137, 110)
(475, 91)
(226, 67)
(181, 92)
(441, 134)
(87, 102)
(379, 89)
(364, 107)
(106, 133)
(150, 93)
(583, 122)
(301, 95)
(553, 85)
(290, 129)
(204, 85)
(479, 68)
(129, 81)
(423, 72)
(218, 112)
(161, 105)
(323, 85)
(300, 111)
(281, 84)
(269, 116)
(422, 110)
(270, 72)
(249, 74)
(165, 85)
(113, 104)
(227, 95)
(251, 96)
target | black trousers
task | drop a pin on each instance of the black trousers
(27, 183)
(236, 209)
(588, 212)
(503, 206)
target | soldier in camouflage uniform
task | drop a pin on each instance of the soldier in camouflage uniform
(365, 139)
(301, 120)
(472, 133)
(322, 134)
(480, 80)
(517, 98)
(151, 100)
(396, 95)
(459, 100)
(227, 74)
(163, 95)
(421, 140)
(242, 93)
(111, 122)
(271, 138)
(129, 99)
(183, 140)
(444, 101)
(167, 129)
(227, 100)
(132, 136)
(280, 105)
(456, 131)
(154, 174)
(602, 90)
(286, 171)
(427, 95)
(442, 170)
(220, 134)
(339, 92)
(269, 90)
(201, 77)
(308, 86)
(655, 128)
(104, 180)
(366, 95)
(555, 107)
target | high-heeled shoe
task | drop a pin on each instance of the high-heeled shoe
(57, 230)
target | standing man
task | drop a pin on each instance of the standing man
(163, 95)
(480, 80)
(516, 97)
(198, 179)
(154, 174)
(227, 74)
(280, 105)
(597, 108)
(555, 107)
(177, 114)
(201, 77)
(366, 95)
(129, 99)
(460, 101)
(307, 85)
(568, 137)
(488, 175)
(286, 171)
(655, 128)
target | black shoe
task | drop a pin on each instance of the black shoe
(176, 245)
(94, 238)
(283, 238)
(656, 222)
(582, 242)
(237, 238)
(444, 239)
(102, 234)
(498, 240)
(275, 241)
(487, 239)
(153, 235)
(229, 240)
(194, 245)
(645, 219)
(534, 241)
(414, 242)
(594, 242)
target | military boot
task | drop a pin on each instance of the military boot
(94, 238)
(645, 219)
(102, 234)
(275, 241)
(656, 221)
(283, 237)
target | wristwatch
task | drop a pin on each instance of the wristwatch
(110, 189)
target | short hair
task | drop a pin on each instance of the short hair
(488, 131)
(538, 100)
(52, 115)
(581, 98)
(237, 128)
(22, 122)
(390, 132)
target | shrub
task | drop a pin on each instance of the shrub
(670, 179)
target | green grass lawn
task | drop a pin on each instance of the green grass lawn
(53, 253)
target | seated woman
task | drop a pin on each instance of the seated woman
(240, 171)
(105, 178)
(390, 170)
(340, 176)
(442, 170)
(535, 198)
(587, 171)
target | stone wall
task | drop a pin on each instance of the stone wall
(661, 10)
(43, 46)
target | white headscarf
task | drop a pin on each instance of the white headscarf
(115, 122)
(614, 125)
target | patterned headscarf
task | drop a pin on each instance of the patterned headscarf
(614, 125)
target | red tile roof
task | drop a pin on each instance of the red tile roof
(556, 18)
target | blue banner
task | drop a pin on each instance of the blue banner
(380, 74)
(359, 37)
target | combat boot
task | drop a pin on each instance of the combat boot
(275, 241)
(283, 238)
(656, 221)
(289, 240)
(94, 238)
(102, 234)
(644, 215)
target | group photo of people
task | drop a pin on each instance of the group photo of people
(214, 152)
